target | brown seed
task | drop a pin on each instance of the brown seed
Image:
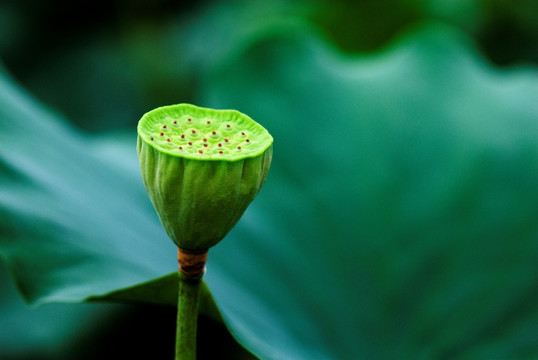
(190, 143)
(181, 148)
(228, 126)
(162, 134)
(151, 137)
(219, 144)
(168, 140)
(175, 121)
(164, 126)
(205, 145)
(221, 152)
(225, 140)
(239, 148)
(205, 139)
(248, 140)
(200, 151)
(183, 136)
(193, 131)
(214, 132)
(208, 122)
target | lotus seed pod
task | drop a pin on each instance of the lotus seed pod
(201, 168)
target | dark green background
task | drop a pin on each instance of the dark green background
(399, 218)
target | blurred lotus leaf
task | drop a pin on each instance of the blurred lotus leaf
(399, 220)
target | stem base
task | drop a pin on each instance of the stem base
(187, 316)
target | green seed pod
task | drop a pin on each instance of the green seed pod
(201, 168)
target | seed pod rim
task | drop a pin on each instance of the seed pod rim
(218, 114)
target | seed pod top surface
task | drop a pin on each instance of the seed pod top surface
(198, 133)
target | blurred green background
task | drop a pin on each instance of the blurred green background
(124, 58)
(399, 220)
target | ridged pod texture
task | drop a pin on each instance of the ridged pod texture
(200, 197)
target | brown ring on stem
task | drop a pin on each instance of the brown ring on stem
(192, 263)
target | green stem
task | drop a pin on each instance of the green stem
(187, 317)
